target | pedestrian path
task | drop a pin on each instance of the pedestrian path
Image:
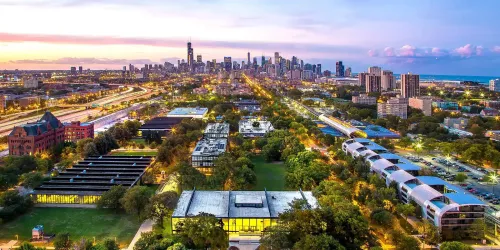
(147, 226)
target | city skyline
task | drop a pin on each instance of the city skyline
(432, 39)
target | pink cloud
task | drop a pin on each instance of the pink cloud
(389, 51)
(496, 49)
(372, 53)
(438, 52)
(407, 50)
(469, 50)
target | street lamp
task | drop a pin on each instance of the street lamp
(493, 180)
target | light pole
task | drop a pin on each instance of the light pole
(494, 180)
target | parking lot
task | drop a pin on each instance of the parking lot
(478, 182)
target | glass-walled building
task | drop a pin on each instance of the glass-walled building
(243, 213)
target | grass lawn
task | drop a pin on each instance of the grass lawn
(79, 222)
(269, 175)
(134, 153)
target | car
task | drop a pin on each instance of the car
(463, 184)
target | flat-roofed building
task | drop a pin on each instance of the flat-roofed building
(29, 101)
(255, 128)
(364, 99)
(217, 130)
(76, 130)
(248, 105)
(243, 213)
(87, 180)
(197, 112)
(423, 103)
(206, 151)
(457, 123)
(159, 126)
(395, 106)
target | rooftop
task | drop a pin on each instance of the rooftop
(239, 204)
(161, 123)
(188, 112)
(247, 127)
(210, 146)
(217, 128)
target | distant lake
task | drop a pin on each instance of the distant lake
(480, 79)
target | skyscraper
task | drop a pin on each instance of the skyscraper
(199, 59)
(410, 85)
(339, 69)
(73, 70)
(80, 70)
(228, 63)
(255, 64)
(348, 72)
(388, 81)
(276, 58)
(375, 70)
(263, 61)
(373, 83)
(248, 55)
(190, 56)
(294, 62)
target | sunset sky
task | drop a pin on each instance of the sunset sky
(456, 37)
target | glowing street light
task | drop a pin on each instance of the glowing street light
(494, 181)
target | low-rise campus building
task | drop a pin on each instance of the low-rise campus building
(217, 130)
(255, 128)
(87, 180)
(159, 126)
(243, 213)
(447, 206)
(207, 150)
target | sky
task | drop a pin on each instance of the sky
(446, 37)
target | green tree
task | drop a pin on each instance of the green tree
(29, 246)
(62, 241)
(401, 241)
(455, 245)
(135, 200)
(405, 142)
(477, 229)
(148, 240)
(108, 244)
(177, 246)
(162, 205)
(461, 177)
(83, 244)
(32, 179)
(382, 217)
(314, 242)
(111, 198)
(90, 149)
(405, 209)
(203, 231)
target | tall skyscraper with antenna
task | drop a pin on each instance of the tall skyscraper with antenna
(190, 54)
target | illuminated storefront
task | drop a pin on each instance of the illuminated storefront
(243, 213)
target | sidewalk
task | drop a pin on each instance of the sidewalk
(147, 226)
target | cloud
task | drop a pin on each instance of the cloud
(389, 51)
(178, 43)
(79, 61)
(469, 50)
(372, 53)
(407, 50)
(496, 49)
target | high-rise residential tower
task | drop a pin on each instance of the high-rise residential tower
(248, 55)
(228, 63)
(495, 85)
(339, 69)
(362, 78)
(318, 70)
(410, 85)
(276, 58)
(375, 70)
(199, 59)
(388, 80)
(348, 72)
(373, 83)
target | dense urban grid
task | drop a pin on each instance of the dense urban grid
(275, 153)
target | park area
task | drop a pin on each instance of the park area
(79, 222)
(270, 175)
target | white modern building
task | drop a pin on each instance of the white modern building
(447, 206)
(495, 85)
(255, 128)
(197, 112)
(207, 150)
(31, 83)
(423, 103)
(217, 130)
(364, 99)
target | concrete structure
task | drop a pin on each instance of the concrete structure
(494, 135)
(217, 130)
(339, 69)
(364, 99)
(375, 70)
(373, 83)
(423, 103)
(242, 213)
(457, 123)
(37, 137)
(362, 78)
(248, 105)
(395, 106)
(495, 85)
(197, 112)
(87, 180)
(247, 128)
(207, 150)
(489, 112)
(410, 85)
(388, 80)
(76, 130)
(31, 83)
(29, 101)
(446, 206)
(445, 105)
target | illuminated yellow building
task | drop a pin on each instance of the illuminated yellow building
(243, 213)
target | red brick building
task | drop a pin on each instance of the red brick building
(34, 138)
